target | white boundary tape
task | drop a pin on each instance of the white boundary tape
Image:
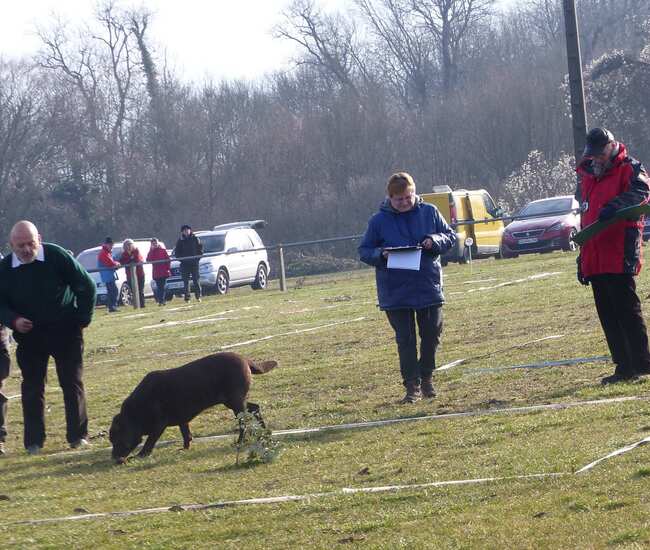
(389, 421)
(516, 346)
(614, 453)
(559, 363)
(285, 498)
(291, 333)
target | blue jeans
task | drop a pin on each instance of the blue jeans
(429, 321)
(111, 290)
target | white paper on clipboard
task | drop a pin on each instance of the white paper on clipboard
(406, 258)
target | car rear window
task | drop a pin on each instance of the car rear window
(88, 259)
(548, 206)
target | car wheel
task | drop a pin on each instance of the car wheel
(126, 296)
(570, 244)
(223, 282)
(261, 278)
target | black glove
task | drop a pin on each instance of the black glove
(581, 278)
(607, 212)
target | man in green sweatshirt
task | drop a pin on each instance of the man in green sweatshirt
(47, 298)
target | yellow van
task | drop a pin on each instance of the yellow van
(478, 208)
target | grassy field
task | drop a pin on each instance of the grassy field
(338, 364)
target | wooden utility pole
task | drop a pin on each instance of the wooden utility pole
(574, 59)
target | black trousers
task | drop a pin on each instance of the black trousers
(160, 289)
(429, 321)
(619, 310)
(5, 363)
(193, 271)
(64, 342)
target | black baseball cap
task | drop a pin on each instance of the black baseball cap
(597, 140)
(108, 240)
(185, 226)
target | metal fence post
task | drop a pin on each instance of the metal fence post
(135, 290)
(283, 277)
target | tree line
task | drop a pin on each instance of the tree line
(98, 136)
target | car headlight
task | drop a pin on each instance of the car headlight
(557, 226)
(206, 268)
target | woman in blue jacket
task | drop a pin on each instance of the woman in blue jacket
(410, 295)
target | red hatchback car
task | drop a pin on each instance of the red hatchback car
(542, 233)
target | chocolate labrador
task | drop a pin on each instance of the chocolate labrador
(174, 397)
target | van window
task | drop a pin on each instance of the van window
(489, 205)
(212, 243)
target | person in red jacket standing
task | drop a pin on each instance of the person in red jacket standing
(131, 255)
(108, 276)
(160, 270)
(611, 180)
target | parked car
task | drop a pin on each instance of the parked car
(543, 233)
(88, 259)
(464, 205)
(241, 266)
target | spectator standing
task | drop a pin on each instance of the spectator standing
(610, 180)
(410, 295)
(160, 270)
(108, 276)
(189, 245)
(5, 363)
(131, 255)
(47, 298)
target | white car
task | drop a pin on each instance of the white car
(88, 259)
(242, 265)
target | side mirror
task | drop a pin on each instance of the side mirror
(232, 249)
(498, 212)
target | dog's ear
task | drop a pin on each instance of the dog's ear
(266, 366)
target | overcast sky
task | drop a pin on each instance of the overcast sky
(201, 38)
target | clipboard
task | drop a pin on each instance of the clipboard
(629, 213)
(404, 257)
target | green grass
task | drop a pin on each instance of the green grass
(348, 373)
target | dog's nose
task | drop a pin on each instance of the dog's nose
(120, 460)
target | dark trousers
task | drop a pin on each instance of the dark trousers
(429, 321)
(5, 363)
(64, 342)
(193, 271)
(111, 295)
(619, 310)
(160, 290)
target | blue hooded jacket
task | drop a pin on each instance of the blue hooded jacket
(404, 288)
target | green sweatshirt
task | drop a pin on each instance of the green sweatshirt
(57, 289)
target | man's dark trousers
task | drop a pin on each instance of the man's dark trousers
(64, 342)
(5, 363)
(111, 295)
(619, 310)
(429, 321)
(187, 270)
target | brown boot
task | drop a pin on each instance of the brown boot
(427, 387)
(413, 392)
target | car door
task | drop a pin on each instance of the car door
(236, 258)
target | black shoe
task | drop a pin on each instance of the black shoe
(616, 378)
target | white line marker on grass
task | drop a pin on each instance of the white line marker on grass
(617, 452)
(287, 498)
(271, 336)
(389, 421)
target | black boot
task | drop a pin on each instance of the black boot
(413, 392)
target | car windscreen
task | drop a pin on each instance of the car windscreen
(212, 243)
(547, 207)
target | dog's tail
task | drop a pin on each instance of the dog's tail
(261, 368)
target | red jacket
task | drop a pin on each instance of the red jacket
(616, 249)
(134, 257)
(105, 258)
(160, 270)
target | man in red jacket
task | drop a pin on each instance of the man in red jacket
(108, 276)
(611, 180)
